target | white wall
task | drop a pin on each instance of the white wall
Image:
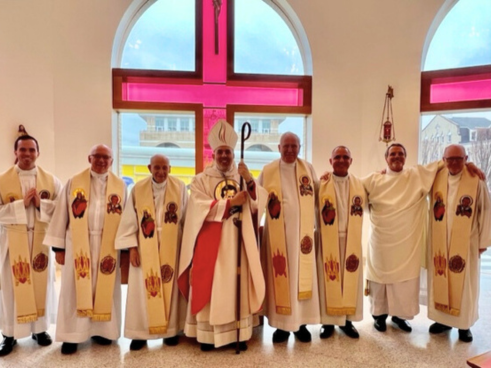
(55, 75)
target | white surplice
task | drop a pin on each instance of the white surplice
(16, 213)
(136, 318)
(69, 327)
(480, 239)
(215, 323)
(398, 209)
(341, 187)
(303, 312)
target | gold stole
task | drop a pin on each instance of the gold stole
(100, 308)
(158, 263)
(30, 288)
(276, 234)
(450, 262)
(341, 285)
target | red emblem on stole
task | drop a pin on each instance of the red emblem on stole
(107, 265)
(274, 206)
(439, 207)
(44, 194)
(40, 262)
(147, 224)
(279, 264)
(79, 204)
(328, 212)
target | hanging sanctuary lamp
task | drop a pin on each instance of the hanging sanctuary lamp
(387, 128)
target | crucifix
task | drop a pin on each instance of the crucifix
(217, 5)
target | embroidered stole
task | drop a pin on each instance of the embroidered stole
(100, 307)
(341, 281)
(158, 256)
(29, 288)
(277, 238)
(450, 261)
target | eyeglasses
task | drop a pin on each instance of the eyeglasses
(454, 159)
(101, 157)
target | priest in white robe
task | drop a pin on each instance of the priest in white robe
(397, 202)
(208, 264)
(288, 246)
(27, 201)
(460, 224)
(164, 198)
(342, 200)
(82, 234)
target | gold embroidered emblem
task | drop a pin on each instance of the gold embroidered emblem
(152, 284)
(440, 264)
(331, 267)
(82, 266)
(226, 189)
(21, 270)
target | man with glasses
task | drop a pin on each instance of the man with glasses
(82, 234)
(460, 232)
(27, 201)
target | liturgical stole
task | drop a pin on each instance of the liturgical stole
(29, 287)
(450, 260)
(276, 234)
(341, 281)
(158, 256)
(100, 307)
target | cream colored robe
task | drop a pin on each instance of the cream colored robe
(69, 327)
(136, 318)
(215, 323)
(480, 238)
(341, 186)
(398, 209)
(304, 311)
(16, 213)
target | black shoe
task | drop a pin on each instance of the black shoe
(350, 330)
(326, 331)
(7, 345)
(207, 347)
(437, 328)
(465, 335)
(303, 335)
(68, 348)
(171, 341)
(402, 324)
(42, 338)
(101, 340)
(137, 344)
(280, 336)
(242, 345)
(379, 323)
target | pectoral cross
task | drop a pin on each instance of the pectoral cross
(217, 4)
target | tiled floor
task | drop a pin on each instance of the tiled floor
(393, 348)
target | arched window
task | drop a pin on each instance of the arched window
(185, 66)
(456, 81)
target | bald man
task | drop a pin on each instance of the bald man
(292, 296)
(151, 228)
(82, 234)
(341, 204)
(460, 231)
